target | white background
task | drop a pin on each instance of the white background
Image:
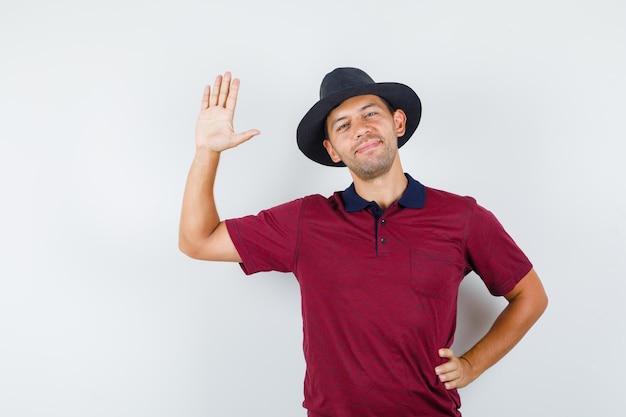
(101, 315)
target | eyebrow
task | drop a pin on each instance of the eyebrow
(340, 118)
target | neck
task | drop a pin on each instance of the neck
(384, 189)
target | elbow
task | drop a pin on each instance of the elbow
(543, 302)
(539, 303)
(187, 247)
(184, 248)
(213, 247)
(530, 296)
(541, 298)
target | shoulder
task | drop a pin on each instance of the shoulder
(436, 198)
(298, 206)
(332, 202)
(463, 208)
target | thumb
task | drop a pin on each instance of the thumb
(247, 135)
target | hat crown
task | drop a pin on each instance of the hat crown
(343, 78)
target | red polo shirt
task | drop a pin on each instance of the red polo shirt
(379, 291)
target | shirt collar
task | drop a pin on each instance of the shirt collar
(414, 197)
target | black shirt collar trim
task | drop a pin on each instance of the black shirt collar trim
(414, 197)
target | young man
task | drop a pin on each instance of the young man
(379, 264)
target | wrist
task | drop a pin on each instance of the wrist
(205, 154)
(468, 366)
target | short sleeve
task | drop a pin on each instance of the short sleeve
(267, 241)
(492, 253)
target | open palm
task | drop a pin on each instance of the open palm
(214, 129)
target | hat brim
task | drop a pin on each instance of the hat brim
(311, 133)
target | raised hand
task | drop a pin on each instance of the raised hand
(214, 129)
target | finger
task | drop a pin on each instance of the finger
(231, 101)
(449, 366)
(216, 91)
(451, 385)
(446, 353)
(224, 90)
(205, 97)
(449, 375)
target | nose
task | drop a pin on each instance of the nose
(362, 129)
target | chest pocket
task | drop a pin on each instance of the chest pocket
(435, 274)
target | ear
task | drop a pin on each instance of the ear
(399, 117)
(331, 151)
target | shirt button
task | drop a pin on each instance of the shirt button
(383, 240)
(382, 221)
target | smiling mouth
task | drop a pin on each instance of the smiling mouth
(367, 146)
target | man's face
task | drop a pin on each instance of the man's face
(363, 134)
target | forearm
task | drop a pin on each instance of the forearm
(523, 310)
(199, 216)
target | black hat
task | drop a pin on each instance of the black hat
(340, 85)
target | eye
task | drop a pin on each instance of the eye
(370, 114)
(342, 126)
